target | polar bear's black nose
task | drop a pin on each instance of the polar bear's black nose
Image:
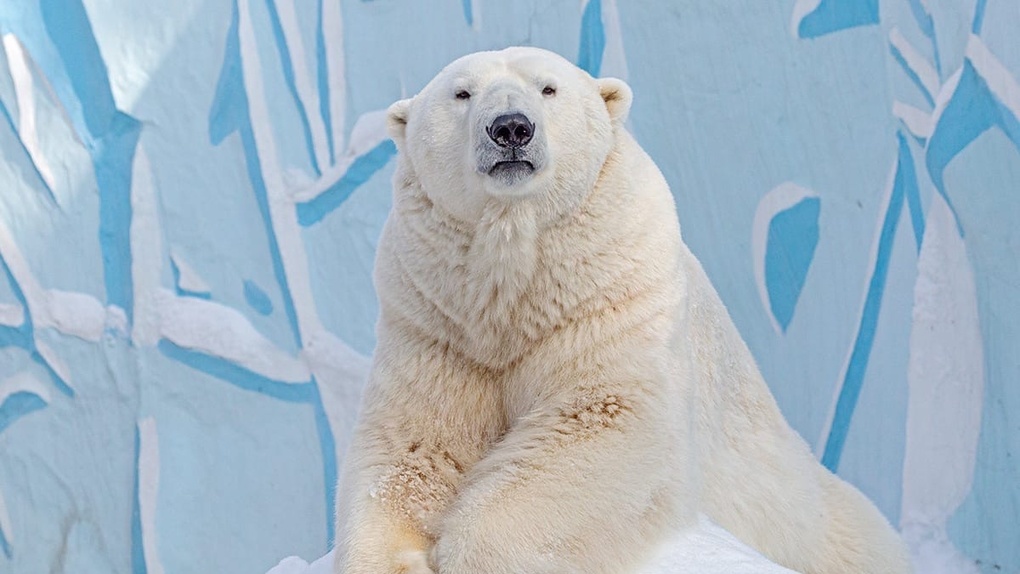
(511, 130)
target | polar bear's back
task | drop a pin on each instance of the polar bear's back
(759, 479)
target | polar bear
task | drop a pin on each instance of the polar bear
(557, 387)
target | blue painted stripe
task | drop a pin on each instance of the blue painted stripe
(907, 175)
(322, 72)
(229, 109)
(288, 78)
(13, 337)
(789, 249)
(858, 364)
(363, 168)
(137, 545)
(113, 136)
(68, 27)
(979, 16)
(971, 111)
(469, 17)
(1009, 123)
(923, 18)
(593, 39)
(20, 336)
(5, 546)
(259, 187)
(835, 15)
(257, 298)
(17, 405)
(113, 162)
(237, 375)
(914, 78)
(927, 25)
(327, 445)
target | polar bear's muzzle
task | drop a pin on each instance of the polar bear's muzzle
(512, 149)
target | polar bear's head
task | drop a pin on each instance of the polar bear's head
(506, 126)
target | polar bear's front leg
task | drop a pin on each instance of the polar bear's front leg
(423, 422)
(576, 486)
(385, 502)
(380, 542)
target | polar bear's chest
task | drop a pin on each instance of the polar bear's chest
(493, 291)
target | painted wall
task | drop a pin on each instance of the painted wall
(191, 192)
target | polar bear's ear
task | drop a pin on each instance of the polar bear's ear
(396, 120)
(617, 95)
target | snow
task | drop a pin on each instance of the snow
(946, 380)
(148, 492)
(11, 315)
(222, 331)
(704, 549)
(76, 314)
(917, 121)
(996, 76)
(24, 86)
(189, 279)
(295, 565)
(22, 382)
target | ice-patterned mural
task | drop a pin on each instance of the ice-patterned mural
(191, 191)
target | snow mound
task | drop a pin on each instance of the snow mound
(703, 549)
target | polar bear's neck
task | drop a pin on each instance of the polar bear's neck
(472, 285)
(502, 258)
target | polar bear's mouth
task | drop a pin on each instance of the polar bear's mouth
(511, 167)
(507, 169)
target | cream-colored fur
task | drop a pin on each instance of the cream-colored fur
(557, 387)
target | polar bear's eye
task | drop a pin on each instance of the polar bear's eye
(549, 91)
(463, 95)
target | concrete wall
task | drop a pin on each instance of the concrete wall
(191, 192)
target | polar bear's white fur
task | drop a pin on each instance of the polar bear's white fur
(557, 386)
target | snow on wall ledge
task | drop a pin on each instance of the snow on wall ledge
(190, 196)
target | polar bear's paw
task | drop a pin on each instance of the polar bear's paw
(413, 562)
